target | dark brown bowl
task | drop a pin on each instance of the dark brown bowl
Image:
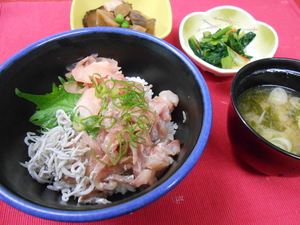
(248, 145)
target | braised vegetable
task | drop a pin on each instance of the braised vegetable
(117, 13)
(224, 48)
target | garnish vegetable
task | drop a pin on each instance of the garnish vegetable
(135, 120)
(48, 104)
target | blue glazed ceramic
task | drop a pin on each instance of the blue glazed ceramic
(35, 68)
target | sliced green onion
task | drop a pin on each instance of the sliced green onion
(278, 96)
(282, 143)
(295, 101)
(130, 98)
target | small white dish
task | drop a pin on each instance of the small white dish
(264, 44)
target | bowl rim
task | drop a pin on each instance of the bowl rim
(234, 99)
(219, 71)
(100, 214)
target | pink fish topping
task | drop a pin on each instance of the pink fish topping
(127, 136)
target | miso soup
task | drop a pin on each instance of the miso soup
(274, 113)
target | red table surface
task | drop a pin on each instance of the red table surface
(220, 189)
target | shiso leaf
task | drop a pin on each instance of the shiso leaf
(48, 104)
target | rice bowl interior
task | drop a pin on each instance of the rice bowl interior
(140, 55)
